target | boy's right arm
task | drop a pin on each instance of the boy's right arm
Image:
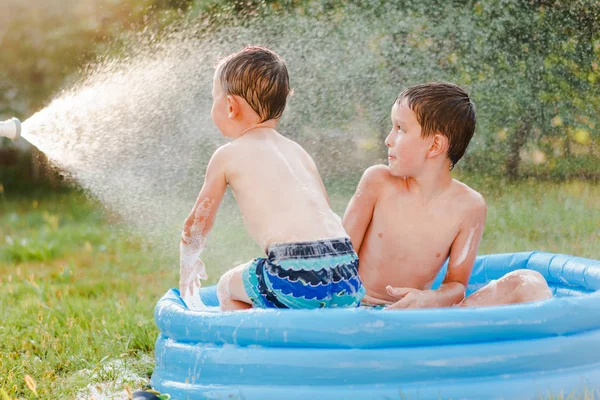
(360, 210)
(200, 221)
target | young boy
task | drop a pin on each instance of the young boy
(310, 261)
(406, 218)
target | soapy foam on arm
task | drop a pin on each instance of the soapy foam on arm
(191, 266)
(467, 248)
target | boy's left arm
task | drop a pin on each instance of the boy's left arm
(462, 258)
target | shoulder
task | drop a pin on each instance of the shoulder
(470, 201)
(222, 152)
(222, 155)
(377, 174)
(376, 180)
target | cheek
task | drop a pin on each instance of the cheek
(400, 146)
(216, 113)
(407, 154)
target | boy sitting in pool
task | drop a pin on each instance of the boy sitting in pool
(406, 218)
(310, 262)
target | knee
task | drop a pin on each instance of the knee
(526, 277)
(224, 285)
(229, 284)
(528, 285)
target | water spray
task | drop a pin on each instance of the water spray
(10, 128)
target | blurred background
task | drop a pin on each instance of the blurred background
(115, 98)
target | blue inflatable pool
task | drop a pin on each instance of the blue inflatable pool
(523, 351)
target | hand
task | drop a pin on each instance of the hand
(189, 277)
(411, 298)
(375, 301)
(191, 269)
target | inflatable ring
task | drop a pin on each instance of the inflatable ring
(515, 352)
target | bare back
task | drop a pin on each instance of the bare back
(279, 190)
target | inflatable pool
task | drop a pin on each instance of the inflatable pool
(524, 351)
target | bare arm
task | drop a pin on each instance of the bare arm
(199, 223)
(359, 212)
(462, 255)
(200, 220)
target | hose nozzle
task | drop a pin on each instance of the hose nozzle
(10, 128)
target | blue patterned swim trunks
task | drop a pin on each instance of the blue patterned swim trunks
(319, 274)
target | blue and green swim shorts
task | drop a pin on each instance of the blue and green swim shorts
(319, 274)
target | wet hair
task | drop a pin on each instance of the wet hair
(445, 108)
(259, 76)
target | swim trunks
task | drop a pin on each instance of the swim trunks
(319, 274)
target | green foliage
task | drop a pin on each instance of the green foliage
(45, 44)
(531, 67)
(533, 71)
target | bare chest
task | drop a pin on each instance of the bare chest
(424, 228)
(406, 244)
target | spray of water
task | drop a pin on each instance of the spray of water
(133, 132)
(136, 132)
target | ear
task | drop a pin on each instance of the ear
(233, 105)
(439, 145)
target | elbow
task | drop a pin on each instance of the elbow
(455, 292)
(460, 289)
(461, 293)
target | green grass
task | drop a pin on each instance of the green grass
(558, 218)
(77, 293)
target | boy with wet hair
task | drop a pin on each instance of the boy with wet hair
(310, 262)
(408, 217)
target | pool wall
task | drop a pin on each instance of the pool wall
(517, 352)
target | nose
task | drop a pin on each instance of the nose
(388, 140)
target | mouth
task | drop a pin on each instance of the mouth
(390, 157)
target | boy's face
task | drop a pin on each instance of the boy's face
(220, 108)
(407, 150)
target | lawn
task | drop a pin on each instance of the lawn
(77, 289)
